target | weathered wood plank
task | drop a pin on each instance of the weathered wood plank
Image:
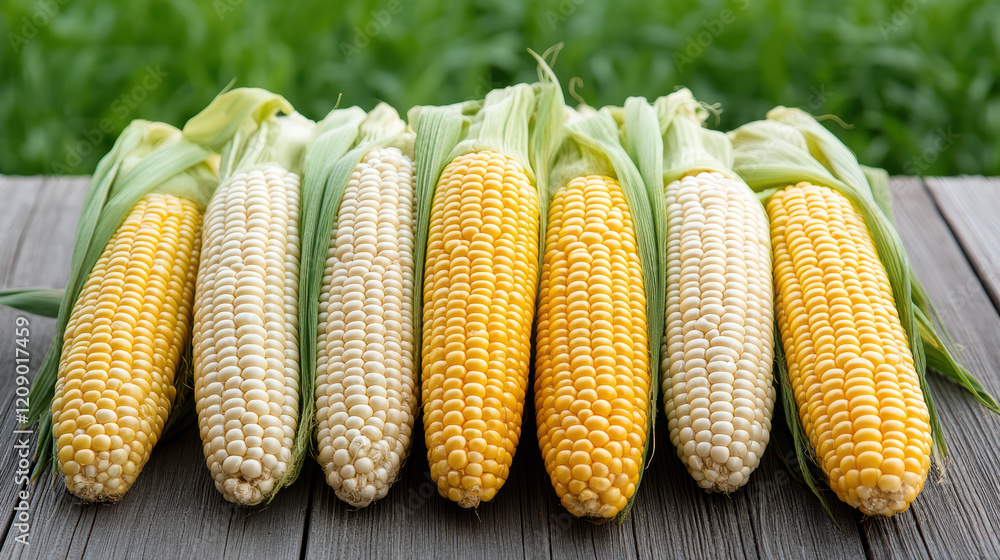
(959, 516)
(969, 206)
(36, 235)
(172, 507)
(773, 516)
(175, 506)
(19, 195)
(788, 522)
(414, 521)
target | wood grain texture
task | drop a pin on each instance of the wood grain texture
(175, 511)
(414, 520)
(957, 516)
(969, 206)
(36, 238)
(19, 195)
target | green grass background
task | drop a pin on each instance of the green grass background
(917, 81)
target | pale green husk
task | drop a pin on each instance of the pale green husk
(437, 131)
(790, 147)
(334, 136)
(547, 135)
(689, 147)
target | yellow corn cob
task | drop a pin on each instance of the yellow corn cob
(717, 385)
(122, 346)
(592, 375)
(365, 376)
(858, 394)
(246, 332)
(479, 302)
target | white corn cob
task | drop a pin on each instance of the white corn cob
(718, 350)
(365, 376)
(245, 342)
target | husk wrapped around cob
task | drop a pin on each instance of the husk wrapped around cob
(105, 395)
(360, 215)
(479, 215)
(595, 373)
(254, 408)
(856, 327)
(717, 356)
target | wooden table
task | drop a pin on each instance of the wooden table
(952, 230)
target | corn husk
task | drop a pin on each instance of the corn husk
(437, 130)
(37, 301)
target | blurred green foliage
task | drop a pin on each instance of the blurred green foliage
(918, 81)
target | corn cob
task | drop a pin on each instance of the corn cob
(479, 301)
(851, 369)
(365, 381)
(245, 335)
(592, 376)
(717, 386)
(122, 347)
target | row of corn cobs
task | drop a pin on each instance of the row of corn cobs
(324, 272)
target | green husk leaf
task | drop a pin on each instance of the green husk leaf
(503, 125)
(335, 136)
(438, 130)
(147, 157)
(689, 147)
(643, 139)
(878, 180)
(233, 114)
(37, 301)
(792, 147)
(941, 354)
(598, 149)
(546, 136)
(943, 357)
